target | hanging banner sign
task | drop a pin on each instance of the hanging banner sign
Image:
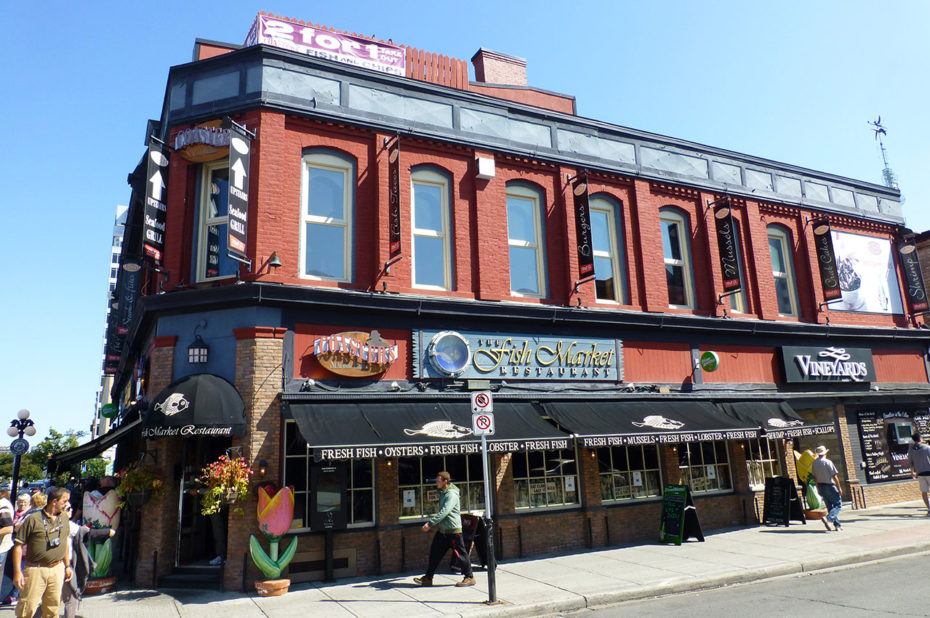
(156, 195)
(583, 225)
(394, 201)
(913, 278)
(205, 142)
(726, 245)
(328, 44)
(826, 259)
(240, 147)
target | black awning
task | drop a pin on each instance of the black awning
(617, 423)
(198, 405)
(91, 449)
(777, 418)
(379, 429)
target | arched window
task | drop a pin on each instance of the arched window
(783, 270)
(676, 249)
(327, 213)
(609, 254)
(525, 238)
(431, 224)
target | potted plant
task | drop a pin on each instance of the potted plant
(275, 515)
(138, 482)
(225, 481)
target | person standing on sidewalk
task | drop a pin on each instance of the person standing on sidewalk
(448, 523)
(918, 456)
(825, 474)
(44, 534)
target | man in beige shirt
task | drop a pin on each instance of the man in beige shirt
(44, 534)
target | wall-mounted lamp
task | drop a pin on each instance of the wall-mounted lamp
(198, 352)
(274, 261)
(262, 468)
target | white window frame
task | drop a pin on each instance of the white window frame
(205, 221)
(781, 236)
(616, 255)
(693, 450)
(524, 192)
(765, 467)
(669, 215)
(432, 178)
(303, 493)
(322, 160)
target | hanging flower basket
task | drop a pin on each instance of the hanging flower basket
(138, 483)
(138, 498)
(225, 481)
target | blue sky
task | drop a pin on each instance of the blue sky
(790, 81)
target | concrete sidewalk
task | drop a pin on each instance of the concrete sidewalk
(554, 584)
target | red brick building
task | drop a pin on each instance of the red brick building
(413, 237)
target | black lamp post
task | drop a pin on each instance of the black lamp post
(22, 424)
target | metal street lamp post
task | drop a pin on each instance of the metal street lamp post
(22, 424)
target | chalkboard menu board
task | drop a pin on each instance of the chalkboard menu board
(679, 516)
(883, 435)
(781, 503)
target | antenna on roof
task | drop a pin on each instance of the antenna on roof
(887, 175)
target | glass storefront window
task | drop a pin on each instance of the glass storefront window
(545, 478)
(762, 461)
(628, 472)
(416, 480)
(705, 466)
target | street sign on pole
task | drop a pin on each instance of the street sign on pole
(481, 402)
(482, 420)
(482, 424)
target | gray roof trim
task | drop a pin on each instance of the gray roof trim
(410, 107)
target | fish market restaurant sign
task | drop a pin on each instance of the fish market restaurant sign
(831, 364)
(442, 354)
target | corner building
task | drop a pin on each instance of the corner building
(414, 238)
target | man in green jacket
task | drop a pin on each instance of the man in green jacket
(448, 523)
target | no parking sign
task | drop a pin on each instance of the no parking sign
(482, 417)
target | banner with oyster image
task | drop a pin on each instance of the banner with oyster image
(867, 273)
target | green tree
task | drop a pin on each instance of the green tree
(33, 465)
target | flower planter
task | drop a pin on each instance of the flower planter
(100, 585)
(138, 498)
(272, 587)
(815, 513)
(232, 496)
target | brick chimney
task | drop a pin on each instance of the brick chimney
(493, 67)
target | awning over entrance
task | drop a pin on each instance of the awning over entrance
(340, 430)
(618, 423)
(91, 449)
(777, 418)
(198, 405)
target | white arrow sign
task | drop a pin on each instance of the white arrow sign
(239, 174)
(157, 185)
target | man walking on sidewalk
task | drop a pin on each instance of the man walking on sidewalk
(44, 534)
(825, 474)
(449, 533)
(918, 456)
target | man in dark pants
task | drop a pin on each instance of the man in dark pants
(918, 457)
(448, 521)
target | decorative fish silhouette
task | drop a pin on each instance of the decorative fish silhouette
(440, 429)
(659, 422)
(173, 404)
(777, 422)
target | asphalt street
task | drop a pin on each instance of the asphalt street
(894, 587)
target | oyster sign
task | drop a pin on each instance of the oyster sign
(830, 364)
(355, 354)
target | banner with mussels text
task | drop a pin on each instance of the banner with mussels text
(240, 150)
(913, 278)
(727, 245)
(156, 196)
(583, 225)
(826, 259)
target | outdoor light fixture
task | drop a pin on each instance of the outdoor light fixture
(198, 352)
(262, 468)
(22, 424)
(132, 267)
(274, 261)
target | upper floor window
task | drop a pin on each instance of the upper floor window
(525, 238)
(676, 250)
(213, 260)
(327, 212)
(607, 245)
(432, 248)
(783, 270)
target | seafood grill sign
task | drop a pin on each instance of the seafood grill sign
(321, 43)
(831, 364)
(479, 355)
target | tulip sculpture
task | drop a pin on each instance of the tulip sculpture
(101, 510)
(275, 515)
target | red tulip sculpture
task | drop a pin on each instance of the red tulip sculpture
(275, 515)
